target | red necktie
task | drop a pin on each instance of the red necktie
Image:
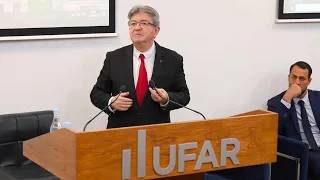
(142, 84)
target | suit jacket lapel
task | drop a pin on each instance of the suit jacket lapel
(129, 74)
(157, 68)
(158, 61)
(295, 118)
(314, 105)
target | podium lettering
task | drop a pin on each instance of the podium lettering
(231, 154)
(186, 157)
(156, 161)
(207, 147)
(141, 153)
(126, 164)
(182, 157)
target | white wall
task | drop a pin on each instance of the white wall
(235, 59)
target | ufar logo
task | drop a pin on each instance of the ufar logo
(182, 157)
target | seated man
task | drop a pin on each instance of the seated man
(299, 113)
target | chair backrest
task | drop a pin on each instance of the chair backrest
(292, 160)
(16, 128)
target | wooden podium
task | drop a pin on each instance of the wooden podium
(191, 148)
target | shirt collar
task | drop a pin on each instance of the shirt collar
(147, 54)
(305, 98)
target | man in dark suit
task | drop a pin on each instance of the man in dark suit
(134, 66)
(299, 113)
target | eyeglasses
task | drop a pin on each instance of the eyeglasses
(143, 24)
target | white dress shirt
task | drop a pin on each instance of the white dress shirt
(312, 121)
(149, 57)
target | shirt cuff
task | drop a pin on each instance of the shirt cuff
(164, 105)
(110, 108)
(285, 103)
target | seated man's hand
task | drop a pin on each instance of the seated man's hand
(122, 103)
(293, 91)
(160, 99)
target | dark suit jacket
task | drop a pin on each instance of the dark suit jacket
(168, 73)
(288, 121)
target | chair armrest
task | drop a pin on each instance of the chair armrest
(292, 157)
(292, 147)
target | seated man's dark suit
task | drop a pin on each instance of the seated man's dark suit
(168, 73)
(289, 124)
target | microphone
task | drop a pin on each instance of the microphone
(122, 89)
(153, 86)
